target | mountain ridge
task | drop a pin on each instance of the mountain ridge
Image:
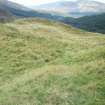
(17, 10)
(77, 8)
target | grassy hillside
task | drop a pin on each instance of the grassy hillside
(46, 63)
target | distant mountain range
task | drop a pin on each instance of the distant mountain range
(77, 8)
(9, 9)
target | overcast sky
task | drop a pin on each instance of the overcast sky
(38, 2)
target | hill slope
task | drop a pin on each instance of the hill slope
(9, 9)
(4, 13)
(95, 23)
(47, 63)
(77, 8)
(6, 5)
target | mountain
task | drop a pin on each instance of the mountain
(92, 23)
(9, 9)
(6, 5)
(77, 8)
(4, 13)
(95, 23)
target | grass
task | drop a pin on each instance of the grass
(47, 63)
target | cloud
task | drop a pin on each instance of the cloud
(33, 2)
(38, 2)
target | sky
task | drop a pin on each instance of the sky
(39, 2)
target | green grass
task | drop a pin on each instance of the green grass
(47, 63)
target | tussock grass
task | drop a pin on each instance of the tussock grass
(47, 63)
